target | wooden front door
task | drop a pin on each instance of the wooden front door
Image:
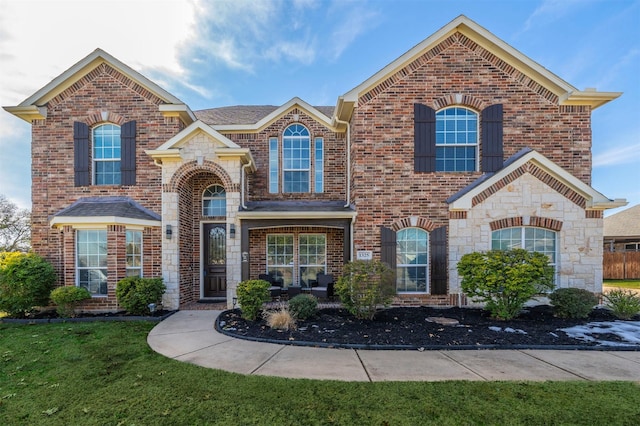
(215, 260)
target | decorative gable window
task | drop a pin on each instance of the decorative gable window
(214, 201)
(106, 155)
(447, 141)
(295, 169)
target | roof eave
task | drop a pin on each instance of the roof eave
(28, 113)
(87, 221)
(589, 97)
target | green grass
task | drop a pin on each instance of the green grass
(632, 284)
(105, 374)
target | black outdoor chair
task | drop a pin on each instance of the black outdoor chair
(324, 289)
(275, 290)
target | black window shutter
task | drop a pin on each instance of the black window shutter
(492, 153)
(388, 247)
(438, 262)
(128, 158)
(424, 138)
(81, 154)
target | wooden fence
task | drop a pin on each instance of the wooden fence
(621, 265)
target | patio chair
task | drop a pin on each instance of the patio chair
(275, 290)
(324, 289)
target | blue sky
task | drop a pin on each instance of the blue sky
(218, 53)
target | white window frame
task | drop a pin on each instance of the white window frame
(442, 136)
(521, 240)
(322, 266)
(133, 270)
(101, 257)
(115, 159)
(400, 266)
(212, 194)
(302, 135)
(281, 267)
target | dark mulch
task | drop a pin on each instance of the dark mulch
(409, 328)
(50, 315)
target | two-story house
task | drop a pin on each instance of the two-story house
(461, 144)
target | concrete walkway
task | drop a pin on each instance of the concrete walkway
(189, 336)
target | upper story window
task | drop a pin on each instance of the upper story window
(296, 159)
(214, 201)
(106, 155)
(456, 140)
(449, 140)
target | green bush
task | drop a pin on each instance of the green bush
(365, 285)
(303, 306)
(505, 280)
(623, 303)
(67, 299)
(572, 302)
(135, 294)
(26, 280)
(252, 294)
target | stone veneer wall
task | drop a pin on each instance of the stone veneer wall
(530, 201)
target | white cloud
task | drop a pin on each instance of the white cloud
(618, 155)
(550, 11)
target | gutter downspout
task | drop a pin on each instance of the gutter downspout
(348, 203)
(244, 172)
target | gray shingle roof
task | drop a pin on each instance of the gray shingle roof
(108, 206)
(623, 224)
(244, 114)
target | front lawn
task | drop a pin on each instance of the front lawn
(105, 374)
(632, 284)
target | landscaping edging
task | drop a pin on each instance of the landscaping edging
(30, 321)
(219, 329)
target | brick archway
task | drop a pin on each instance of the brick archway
(190, 169)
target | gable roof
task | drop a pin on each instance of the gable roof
(567, 94)
(255, 118)
(35, 105)
(463, 199)
(623, 224)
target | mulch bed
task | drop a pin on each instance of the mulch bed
(412, 328)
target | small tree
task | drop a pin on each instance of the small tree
(505, 280)
(26, 280)
(135, 294)
(252, 294)
(67, 298)
(15, 227)
(365, 285)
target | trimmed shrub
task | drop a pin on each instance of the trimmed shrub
(135, 294)
(364, 286)
(252, 294)
(572, 302)
(303, 306)
(624, 304)
(26, 280)
(505, 280)
(67, 299)
(280, 319)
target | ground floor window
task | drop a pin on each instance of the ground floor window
(312, 257)
(91, 261)
(280, 257)
(412, 260)
(528, 238)
(134, 253)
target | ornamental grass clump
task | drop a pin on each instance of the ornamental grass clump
(624, 304)
(280, 319)
(364, 286)
(505, 279)
(67, 299)
(252, 294)
(572, 302)
(26, 281)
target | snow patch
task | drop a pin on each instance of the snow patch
(507, 330)
(627, 331)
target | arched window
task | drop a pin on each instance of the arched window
(214, 201)
(456, 140)
(528, 238)
(412, 254)
(296, 158)
(106, 155)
